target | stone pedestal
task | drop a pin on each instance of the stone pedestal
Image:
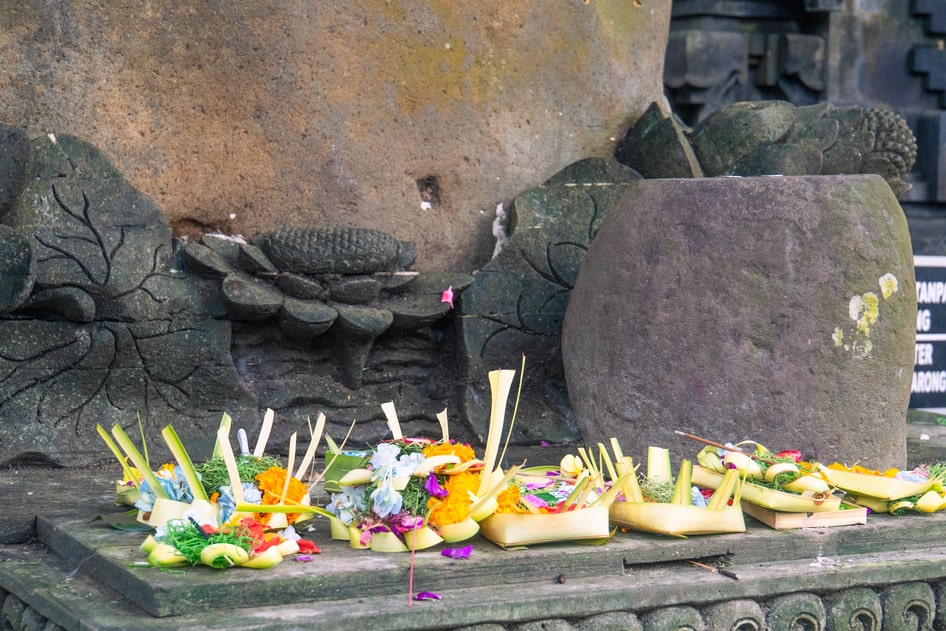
(778, 309)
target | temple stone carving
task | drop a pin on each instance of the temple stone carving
(773, 138)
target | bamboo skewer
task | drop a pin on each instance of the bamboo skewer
(718, 570)
(724, 447)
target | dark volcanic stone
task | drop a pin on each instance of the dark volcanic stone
(722, 307)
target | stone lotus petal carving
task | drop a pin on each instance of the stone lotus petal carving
(350, 283)
(773, 138)
(335, 250)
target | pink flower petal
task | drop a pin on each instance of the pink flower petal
(427, 596)
(447, 296)
(458, 553)
(304, 558)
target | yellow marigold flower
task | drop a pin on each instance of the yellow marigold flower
(271, 483)
(456, 506)
(508, 500)
(462, 451)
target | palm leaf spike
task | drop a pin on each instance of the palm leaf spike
(144, 442)
(139, 461)
(616, 447)
(315, 436)
(225, 422)
(606, 458)
(336, 452)
(608, 497)
(264, 433)
(444, 425)
(226, 452)
(584, 479)
(393, 424)
(590, 465)
(184, 461)
(500, 381)
(495, 490)
(515, 409)
(122, 458)
(291, 461)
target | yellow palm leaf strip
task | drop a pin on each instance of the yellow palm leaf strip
(184, 461)
(608, 464)
(500, 381)
(444, 425)
(515, 409)
(264, 433)
(720, 497)
(336, 452)
(616, 448)
(393, 424)
(611, 494)
(315, 436)
(226, 452)
(589, 463)
(139, 461)
(288, 507)
(122, 459)
(584, 479)
(225, 422)
(630, 487)
(681, 490)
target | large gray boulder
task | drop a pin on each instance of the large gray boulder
(747, 308)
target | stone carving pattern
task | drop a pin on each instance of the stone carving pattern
(905, 607)
(516, 304)
(109, 328)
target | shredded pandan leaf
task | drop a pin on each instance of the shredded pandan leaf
(936, 471)
(190, 541)
(660, 491)
(214, 472)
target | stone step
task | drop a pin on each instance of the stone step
(55, 591)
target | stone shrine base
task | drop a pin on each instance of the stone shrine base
(63, 567)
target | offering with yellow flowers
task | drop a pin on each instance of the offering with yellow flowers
(218, 513)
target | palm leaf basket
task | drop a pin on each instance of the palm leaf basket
(522, 529)
(876, 486)
(770, 498)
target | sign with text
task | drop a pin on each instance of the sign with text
(929, 360)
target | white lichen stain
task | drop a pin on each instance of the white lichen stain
(888, 285)
(838, 336)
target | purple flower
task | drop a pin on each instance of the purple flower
(304, 558)
(458, 553)
(427, 596)
(433, 487)
(545, 443)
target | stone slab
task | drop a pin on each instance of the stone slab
(79, 570)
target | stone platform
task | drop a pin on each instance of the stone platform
(62, 566)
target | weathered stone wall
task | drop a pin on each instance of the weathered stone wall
(243, 116)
